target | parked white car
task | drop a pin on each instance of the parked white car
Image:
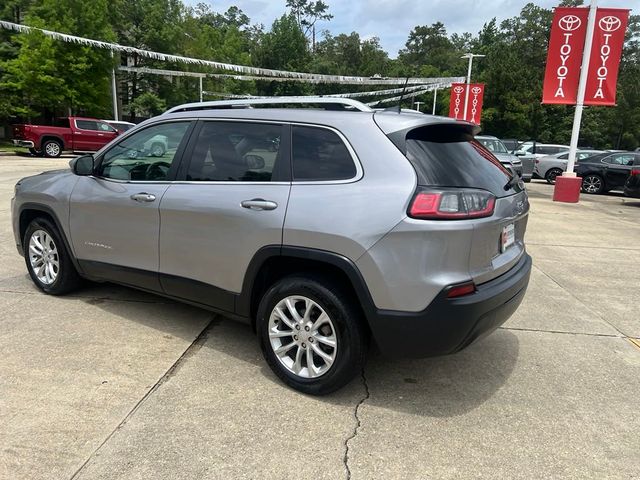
(538, 150)
(550, 166)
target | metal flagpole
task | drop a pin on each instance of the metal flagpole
(435, 96)
(582, 87)
(114, 92)
(470, 56)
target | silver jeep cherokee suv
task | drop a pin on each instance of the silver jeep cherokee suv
(321, 227)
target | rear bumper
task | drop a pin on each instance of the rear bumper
(23, 143)
(450, 325)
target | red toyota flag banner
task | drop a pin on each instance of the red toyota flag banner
(474, 106)
(608, 40)
(562, 73)
(476, 96)
(456, 102)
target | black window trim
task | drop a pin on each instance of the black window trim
(175, 164)
(181, 175)
(354, 158)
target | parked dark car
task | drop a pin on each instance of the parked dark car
(606, 171)
(632, 187)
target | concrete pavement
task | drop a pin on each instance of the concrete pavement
(111, 383)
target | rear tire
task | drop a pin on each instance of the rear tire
(323, 330)
(48, 261)
(52, 148)
(551, 175)
(592, 184)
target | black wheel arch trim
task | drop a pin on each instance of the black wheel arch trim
(347, 266)
(49, 211)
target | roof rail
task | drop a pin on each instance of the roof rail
(328, 102)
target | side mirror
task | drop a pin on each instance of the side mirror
(254, 162)
(83, 165)
(519, 153)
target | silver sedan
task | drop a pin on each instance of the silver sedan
(550, 166)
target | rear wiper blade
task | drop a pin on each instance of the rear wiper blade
(513, 181)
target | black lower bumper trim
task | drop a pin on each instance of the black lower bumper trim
(449, 325)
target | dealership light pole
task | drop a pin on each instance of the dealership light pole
(470, 56)
(435, 96)
(582, 87)
(114, 91)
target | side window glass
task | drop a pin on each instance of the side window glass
(614, 160)
(565, 156)
(145, 155)
(236, 152)
(320, 154)
(104, 127)
(87, 124)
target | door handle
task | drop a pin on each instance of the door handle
(259, 204)
(143, 197)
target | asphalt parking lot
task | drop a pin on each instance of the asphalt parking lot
(111, 383)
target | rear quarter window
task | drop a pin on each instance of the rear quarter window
(320, 154)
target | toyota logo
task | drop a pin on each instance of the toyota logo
(569, 23)
(476, 90)
(458, 90)
(609, 24)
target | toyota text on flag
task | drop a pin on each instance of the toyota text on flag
(608, 40)
(562, 73)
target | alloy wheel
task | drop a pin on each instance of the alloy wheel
(43, 257)
(302, 336)
(52, 149)
(592, 184)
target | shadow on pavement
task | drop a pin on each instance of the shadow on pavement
(436, 387)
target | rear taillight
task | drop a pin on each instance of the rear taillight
(453, 204)
(635, 171)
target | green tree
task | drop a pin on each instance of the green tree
(60, 77)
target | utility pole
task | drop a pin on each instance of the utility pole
(435, 96)
(470, 56)
(114, 92)
(582, 87)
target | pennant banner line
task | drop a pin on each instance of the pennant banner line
(263, 72)
(447, 81)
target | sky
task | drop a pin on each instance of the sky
(392, 20)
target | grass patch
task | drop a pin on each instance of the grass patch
(6, 146)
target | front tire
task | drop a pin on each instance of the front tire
(311, 335)
(48, 261)
(551, 175)
(593, 184)
(52, 148)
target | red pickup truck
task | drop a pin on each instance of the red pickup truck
(77, 134)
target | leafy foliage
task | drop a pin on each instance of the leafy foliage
(40, 77)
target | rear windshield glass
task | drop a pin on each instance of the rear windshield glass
(450, 157)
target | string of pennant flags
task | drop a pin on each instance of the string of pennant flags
(248, 72)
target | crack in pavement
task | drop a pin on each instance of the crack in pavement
(521, 329)
(191, 350)
(345, 458)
